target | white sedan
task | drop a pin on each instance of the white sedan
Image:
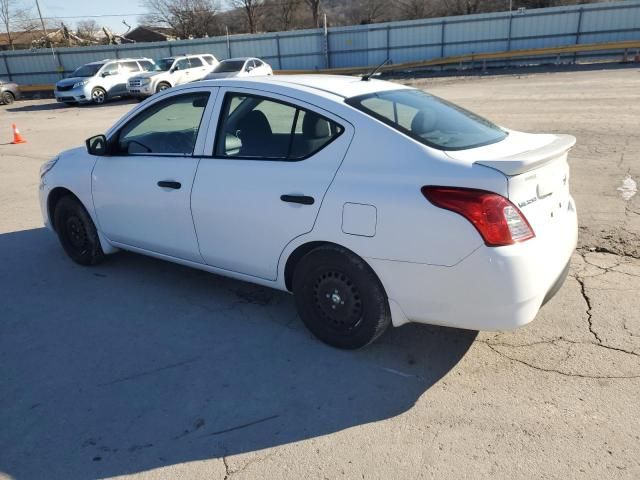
(372, 202)
(240, 67)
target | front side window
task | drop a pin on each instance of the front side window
(167, 127)
(182, 64)
(110, 69)
(260, 128)
(429, 120)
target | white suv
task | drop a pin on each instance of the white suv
(96, 82)
(171, 71)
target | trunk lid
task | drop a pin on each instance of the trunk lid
(537, 173)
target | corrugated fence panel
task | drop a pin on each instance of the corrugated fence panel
(365, 45)
(610, 25)
(421, 41)
(301, 51)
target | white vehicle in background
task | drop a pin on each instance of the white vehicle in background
(240, 67)
(372, 202)
(97, 82)
(169, 72)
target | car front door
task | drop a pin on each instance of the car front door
(272, 164)
(110, 74)
(142, 189)
(180, 72)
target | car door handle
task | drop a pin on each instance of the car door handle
(169, 184)
(302, 199)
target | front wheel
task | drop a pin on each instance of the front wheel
(7, 98)
(162, 87)
(76, 232)
(98, 96)
(339, 298)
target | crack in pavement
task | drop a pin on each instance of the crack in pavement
(238, 427)
(150, 372)
(560, 372)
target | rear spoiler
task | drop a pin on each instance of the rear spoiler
(523, 162)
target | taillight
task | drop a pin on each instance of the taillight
(498, 221)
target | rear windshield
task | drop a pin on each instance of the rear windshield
(229, 66)
(428, 119)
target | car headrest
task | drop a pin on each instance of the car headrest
(424, 121)
(314, 126)
(255, 124)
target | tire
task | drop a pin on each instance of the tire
(98, 96)
(76, 232)
(339, 298)
(7, 98)
(162, 86)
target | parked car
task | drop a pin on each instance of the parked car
(169, 72)
(240, 67)
(99, 81)
(9, 92)
(373, 203)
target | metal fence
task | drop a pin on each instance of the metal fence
(356, 46)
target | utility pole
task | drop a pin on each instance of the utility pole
(44, 30)
(41, 20)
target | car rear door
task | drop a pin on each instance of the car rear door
(142, 190)
(263, 186)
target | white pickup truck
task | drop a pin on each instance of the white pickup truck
(169, 72)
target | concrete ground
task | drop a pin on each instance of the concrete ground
(139, 368)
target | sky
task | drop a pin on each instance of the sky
(108, 13)
(128, 10)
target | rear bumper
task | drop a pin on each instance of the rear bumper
(491, 289)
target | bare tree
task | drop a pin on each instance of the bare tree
(251, 10)
(314, 6)
(87, 29)
(414, 9)
(284, 11)
(186, 18)
(462, 7)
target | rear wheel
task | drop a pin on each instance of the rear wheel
(98, 95)
(7, 98)
(76, 232)
(339, 298)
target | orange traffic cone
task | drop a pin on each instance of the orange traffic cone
(17, 138)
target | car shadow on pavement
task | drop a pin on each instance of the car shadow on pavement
(137, 364)
(53, 105)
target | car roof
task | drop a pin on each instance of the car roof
(324, 85)
(238, 59)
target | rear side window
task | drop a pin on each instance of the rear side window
(209, 59)
(130, 66)
(429, 120)
(260, 128)
(195, 62)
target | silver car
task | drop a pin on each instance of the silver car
(98, 81)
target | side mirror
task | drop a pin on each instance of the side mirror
(97, 145)
(249, 68)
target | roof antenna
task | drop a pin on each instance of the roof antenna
(367, 76)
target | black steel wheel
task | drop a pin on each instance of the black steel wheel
(339, 298)
(76, 232)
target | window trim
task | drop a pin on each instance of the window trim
(355, 102)
(114, 140)
(221, 122)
